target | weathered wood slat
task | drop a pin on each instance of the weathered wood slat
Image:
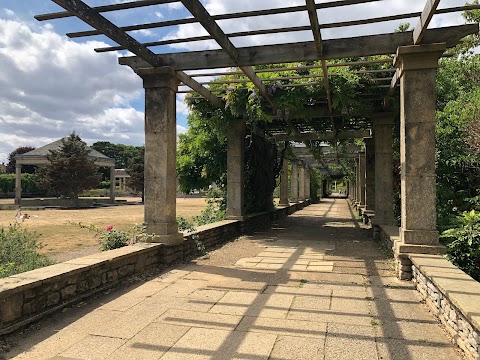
(245, 14)
(332, 49)
(425, 17)
(326, 136)
(105, 8)
(312, 15)
(197, 87)
(94, 19)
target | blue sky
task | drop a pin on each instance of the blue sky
(51, 85)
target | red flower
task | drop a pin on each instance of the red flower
(109, 228)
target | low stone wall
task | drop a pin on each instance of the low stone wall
(66, 203)
(29, 296)
(453, 296)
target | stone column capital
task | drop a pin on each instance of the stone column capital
(417, 57)
(162, 77)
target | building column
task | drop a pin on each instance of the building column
(301, 183)
(284, 184)
(417, 66)
(160, 154)
(18, 184)
(357, 180)
(294, 182)
(112, 184)
(235, 170)
(369, 174)
(361, 179)
(383, 130)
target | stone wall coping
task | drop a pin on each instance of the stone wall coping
(462, 290)
(30, 279)
(211, 226)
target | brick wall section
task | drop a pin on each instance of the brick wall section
(29, 296)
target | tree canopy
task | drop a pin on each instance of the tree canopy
(29, 169)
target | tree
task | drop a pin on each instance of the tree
(70, 171)
(29, 169)
(136, 172)
(123, 155)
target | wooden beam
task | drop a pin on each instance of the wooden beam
(105, 8)
(317, 35)
(194, 85)
(394, 83)
(203, 17)
(94, 19)
(201, 14)
(425, 17)
(327, 136)
(332, 49)
(246, 14)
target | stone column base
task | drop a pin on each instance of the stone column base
(403, 264)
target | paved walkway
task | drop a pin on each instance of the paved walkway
(314, 287)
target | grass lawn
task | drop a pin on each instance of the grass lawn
(58, 236)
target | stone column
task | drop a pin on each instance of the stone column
(284, 184)
(160, 154)
(357, 180)
(383, 130)
(301, 183)
(369, 174)
(418, 232)
(235, 170)
(307, 182)
(113, 184)
(361, 179)
(294, 182)
(18, 184)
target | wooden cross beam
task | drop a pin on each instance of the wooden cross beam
(106, 8)
(326, 136)
(200, 13)
(360, 46)
(422, 25)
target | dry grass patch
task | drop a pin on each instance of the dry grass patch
(59, 236)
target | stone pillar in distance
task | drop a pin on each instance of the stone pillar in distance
(417, 66)
(294, 182)
(383, 130)
(307, 182)
(369, 175)
(361, 180)
(284, 184)
(301, 183)
(160, 86)
(18, 184)
(235, 170)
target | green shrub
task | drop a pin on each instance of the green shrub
(113, 239)
(463, 243)
(185, 225)
(19, 251)
(104, 185)
(30, 183)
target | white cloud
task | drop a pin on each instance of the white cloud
(53, 86)
(8, 12)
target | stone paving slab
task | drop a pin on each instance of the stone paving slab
(315, 286)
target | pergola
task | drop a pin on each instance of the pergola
(39, 157)
(413, 56)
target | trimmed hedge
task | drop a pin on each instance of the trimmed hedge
(30, 183)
